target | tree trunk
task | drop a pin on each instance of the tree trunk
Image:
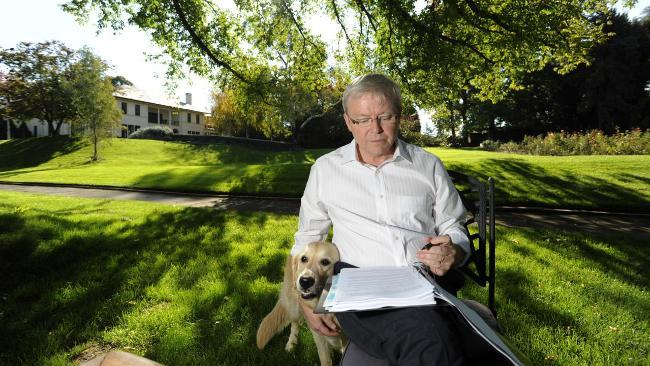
(95, 142)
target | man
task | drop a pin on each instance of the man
(386, 200)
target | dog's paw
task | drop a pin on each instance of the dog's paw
(290, 345)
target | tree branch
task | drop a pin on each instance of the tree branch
(198, 41)
(484, 14)
(338, 19)
(425, 30)
(365, 11)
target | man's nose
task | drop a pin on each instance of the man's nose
(376, 126)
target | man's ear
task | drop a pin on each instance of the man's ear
(348, 123)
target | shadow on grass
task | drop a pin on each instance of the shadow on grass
(31, 152)
(532, 293)
(518, 181)
(66, 282)
(273, 179)
(217, 154)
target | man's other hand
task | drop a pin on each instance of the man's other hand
(441, 255)
(324, 324)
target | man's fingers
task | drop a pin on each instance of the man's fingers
(438, 240)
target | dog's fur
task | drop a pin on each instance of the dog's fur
(305, 276)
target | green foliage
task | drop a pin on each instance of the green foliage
(33, 86)
(97, 114)
(439, 50)
(635, 142)
(155, 132)
(120, 80)
(410, 132)
(609, 94)
(187, 286)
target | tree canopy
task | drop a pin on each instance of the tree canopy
(33, 84)
(96, 112)
(437, 50)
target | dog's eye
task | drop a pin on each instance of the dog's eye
(303, 259)
(325, 262)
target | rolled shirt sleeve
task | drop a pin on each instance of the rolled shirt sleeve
(314, 221)
(449, 212)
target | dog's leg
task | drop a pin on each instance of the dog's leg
(274, 322)
(323, 347)
(293, 336)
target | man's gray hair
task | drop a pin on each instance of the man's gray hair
(378, 84)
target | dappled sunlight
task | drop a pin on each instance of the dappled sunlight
(559, 285)
(183, 285)
(518, 181)
(176, 285)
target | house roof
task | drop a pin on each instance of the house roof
(132, 93)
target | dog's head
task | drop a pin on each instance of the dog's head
(313, 266)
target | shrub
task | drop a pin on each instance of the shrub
(490, 145)
(595, 142)
(156, 132)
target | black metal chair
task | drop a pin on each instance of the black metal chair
(478, 199)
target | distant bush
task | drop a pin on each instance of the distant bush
(490, 145)
(595, 142)
(420, 139)
(152, 133)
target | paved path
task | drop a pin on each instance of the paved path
(588, 221)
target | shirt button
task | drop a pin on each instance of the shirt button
(395, 237)
(381, 196)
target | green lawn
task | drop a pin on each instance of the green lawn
(188, 286)
(600, 182)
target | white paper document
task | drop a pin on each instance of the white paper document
(378, 287)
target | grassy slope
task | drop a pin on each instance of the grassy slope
(189, 286)
(618, 182)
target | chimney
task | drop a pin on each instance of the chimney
(188, 98)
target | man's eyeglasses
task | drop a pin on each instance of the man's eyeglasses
(384, 120)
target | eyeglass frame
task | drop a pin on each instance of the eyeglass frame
(365, 122)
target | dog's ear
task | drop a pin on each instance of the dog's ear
(294, 265)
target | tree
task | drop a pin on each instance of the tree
(120, 80)
(96, 112)
(262, 48)
(609, 94)
(33, 83)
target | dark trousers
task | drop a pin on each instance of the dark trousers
(424, 335)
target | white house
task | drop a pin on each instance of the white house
(139, 110)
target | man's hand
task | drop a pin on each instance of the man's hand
(321, 323)
(441, 256)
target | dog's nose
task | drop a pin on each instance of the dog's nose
(306, 282)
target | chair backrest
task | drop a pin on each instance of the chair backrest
(478, 199)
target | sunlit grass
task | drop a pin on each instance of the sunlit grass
(187, 286)
(595, 181)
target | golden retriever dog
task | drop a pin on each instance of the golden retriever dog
(305, 276)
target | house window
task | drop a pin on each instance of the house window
(189, 118)
(124, 107)
(137, 109)
(153, 117)
(197, 119)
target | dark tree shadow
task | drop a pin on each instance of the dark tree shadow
(517, 179)
(31, 152)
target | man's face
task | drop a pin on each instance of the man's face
(376, 142)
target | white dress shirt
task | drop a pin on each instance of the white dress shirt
(381, 215)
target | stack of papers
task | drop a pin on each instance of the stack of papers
(378, 287)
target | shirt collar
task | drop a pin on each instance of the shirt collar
(350, 152)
